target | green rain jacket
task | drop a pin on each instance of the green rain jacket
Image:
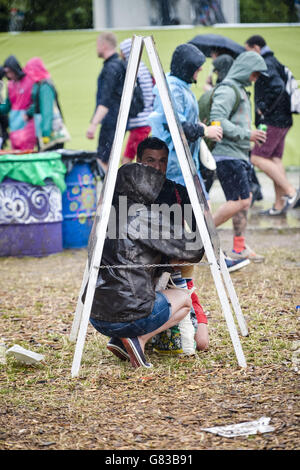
(237, 130)
(43, 97)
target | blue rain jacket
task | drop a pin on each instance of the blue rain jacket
(185, 103)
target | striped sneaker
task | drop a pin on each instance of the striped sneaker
(236, 264)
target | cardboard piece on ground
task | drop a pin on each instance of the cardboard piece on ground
(261, 425)
(25, 355)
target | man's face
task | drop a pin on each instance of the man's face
(10, 74)
(158, 159)
(254, 48)
(195, 76)
(254, 76)
(100, 47)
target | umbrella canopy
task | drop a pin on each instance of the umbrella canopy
(209, 43)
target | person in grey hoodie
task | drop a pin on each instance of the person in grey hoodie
(232, 153)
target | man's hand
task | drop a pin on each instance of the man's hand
(177, 261)
(98, 117)
(90, 133)
(208, 83)
(214, 133)
(258, 137)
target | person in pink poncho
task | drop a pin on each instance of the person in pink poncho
(21, 130)
(45, 108)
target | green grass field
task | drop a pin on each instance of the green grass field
(71, 58)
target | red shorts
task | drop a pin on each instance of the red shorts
(274, 145)
(135, 137)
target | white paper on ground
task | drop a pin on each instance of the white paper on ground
(2, 353)
(261, 425)
(25, 355)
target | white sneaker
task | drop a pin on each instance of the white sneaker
(290, 202)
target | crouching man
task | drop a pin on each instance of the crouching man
(126, 306)
(154, 152)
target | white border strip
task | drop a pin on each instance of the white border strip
(170, 27)
(255, 25)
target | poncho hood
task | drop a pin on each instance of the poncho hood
(12, 63)
(140, 183)
(186, 59)
(36, 70)
(244, 65)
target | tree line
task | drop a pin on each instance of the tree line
(39, 15)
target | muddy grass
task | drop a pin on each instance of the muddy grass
(110, 405)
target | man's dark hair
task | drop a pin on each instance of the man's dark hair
(256, 40)
(150, 143)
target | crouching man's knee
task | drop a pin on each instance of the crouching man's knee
(188, 301)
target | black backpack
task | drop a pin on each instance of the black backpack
(137, 103)
(291, 88)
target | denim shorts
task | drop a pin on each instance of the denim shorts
(235, 178)
(159, 316)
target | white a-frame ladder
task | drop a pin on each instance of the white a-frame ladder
(201, 210)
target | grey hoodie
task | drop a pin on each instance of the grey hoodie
(237, 130)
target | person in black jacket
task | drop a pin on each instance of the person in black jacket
(109, 92)
(272, 107)
(126, 306)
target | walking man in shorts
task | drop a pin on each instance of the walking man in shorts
(232, 153)
(272, 107)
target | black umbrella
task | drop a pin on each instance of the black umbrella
(209, 43)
